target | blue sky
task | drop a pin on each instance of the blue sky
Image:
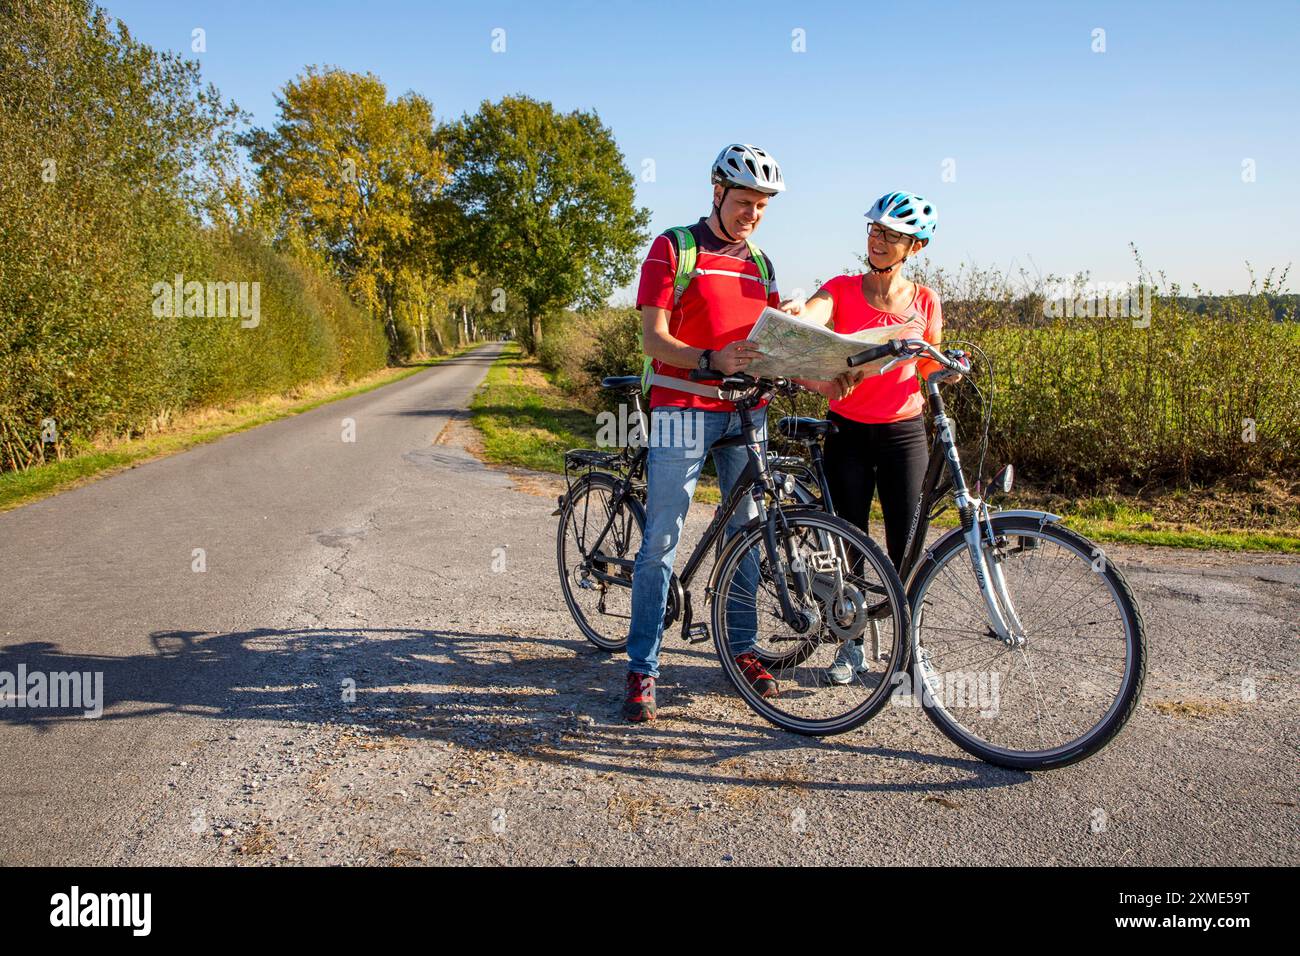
(1062, 155)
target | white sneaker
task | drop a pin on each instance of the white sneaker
(849, 661)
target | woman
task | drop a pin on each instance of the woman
(881, 442)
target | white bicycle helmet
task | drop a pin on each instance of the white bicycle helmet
(742, 166)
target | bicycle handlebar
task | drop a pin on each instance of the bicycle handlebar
(739, 380)
(955, 362)
(892, 347)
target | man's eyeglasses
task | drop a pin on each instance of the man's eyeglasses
(877, 231)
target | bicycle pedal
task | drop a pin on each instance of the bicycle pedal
(696, 634)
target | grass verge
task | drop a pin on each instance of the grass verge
(189, 429)
(527, 421)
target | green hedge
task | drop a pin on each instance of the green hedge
(1081, 405)
(114, 160)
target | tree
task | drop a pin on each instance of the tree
(351, 169)
(543, 204)
(110, 153)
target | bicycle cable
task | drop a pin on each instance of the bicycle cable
(986, 408)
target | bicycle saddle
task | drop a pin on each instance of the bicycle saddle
(806, 429)
(621, 382)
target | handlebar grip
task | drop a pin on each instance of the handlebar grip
(892, 347)
(734, 381)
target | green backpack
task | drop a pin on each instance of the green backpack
(687, 254)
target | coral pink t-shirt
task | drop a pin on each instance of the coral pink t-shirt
(895, 395)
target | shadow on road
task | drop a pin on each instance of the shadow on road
(488, 691)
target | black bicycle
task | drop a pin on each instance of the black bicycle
(1028, 648)
(795, 582)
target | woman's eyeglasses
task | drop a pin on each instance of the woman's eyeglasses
(877, 231)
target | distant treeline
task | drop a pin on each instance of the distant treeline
(1285, 308)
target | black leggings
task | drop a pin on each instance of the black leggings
(891, 456)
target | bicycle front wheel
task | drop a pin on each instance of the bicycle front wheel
(597, 581)
(1062, 694)
(847, 591)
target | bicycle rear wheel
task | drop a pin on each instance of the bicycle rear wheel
(850, 584)
(597, 591)
(1069, 689)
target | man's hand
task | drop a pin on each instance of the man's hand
(735, 356)
(792, 306)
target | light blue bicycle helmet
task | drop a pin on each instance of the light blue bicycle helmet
(906, 212)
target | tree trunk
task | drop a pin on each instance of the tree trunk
(535, 333)
(390, 326)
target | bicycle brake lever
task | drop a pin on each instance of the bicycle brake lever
(892, 362)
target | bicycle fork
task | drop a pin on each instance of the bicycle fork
(800, 619)
(981, 546)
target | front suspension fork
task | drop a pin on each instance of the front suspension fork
(779, 558)
(977, 529)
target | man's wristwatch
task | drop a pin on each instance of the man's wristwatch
(705, 357)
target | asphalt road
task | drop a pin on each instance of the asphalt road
(375, 666)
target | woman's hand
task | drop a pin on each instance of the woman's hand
(818, 310)
(846, 382)
(841, 386)
(734, 356)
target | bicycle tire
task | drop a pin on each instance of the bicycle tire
(884, 682)
(576, 509)
(1130, 685)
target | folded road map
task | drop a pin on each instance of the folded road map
(793, 348)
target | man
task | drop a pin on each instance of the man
(703, 326)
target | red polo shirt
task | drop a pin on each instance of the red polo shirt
(714, 310)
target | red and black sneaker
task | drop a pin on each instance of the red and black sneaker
(757, 675)
(639, 704)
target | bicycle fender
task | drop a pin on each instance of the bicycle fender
(1043, 518)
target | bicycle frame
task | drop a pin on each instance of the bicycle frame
(755, 481)
(975, 525)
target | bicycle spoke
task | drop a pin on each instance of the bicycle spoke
(1054, 690)
(801, 662)
(601, 609)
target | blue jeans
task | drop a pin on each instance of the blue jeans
(679, 440)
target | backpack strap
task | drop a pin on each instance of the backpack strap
(684, 385)
(760, 260)
(687, 255)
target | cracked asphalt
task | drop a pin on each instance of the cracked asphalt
(320, 651)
